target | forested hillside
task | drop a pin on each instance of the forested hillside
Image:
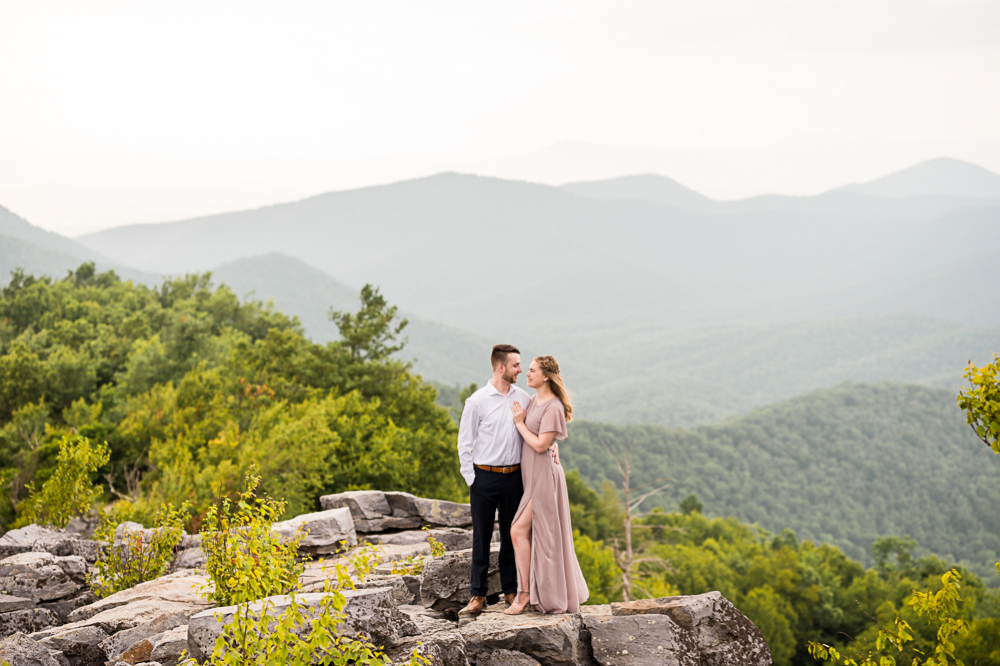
(190, 386)
(844, 465)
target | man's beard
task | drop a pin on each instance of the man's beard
(510, 377)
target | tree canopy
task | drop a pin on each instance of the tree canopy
(189, 386)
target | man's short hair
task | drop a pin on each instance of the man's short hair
(499, 354)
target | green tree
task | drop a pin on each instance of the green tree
(69, 491)
(981, 402)
(690, 504)
(370, 334)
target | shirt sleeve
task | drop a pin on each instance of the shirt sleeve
(467, 429)
(554, 420)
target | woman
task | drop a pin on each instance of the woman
(550, 576)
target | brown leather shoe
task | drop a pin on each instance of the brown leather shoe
(509, 598)
(476, 605)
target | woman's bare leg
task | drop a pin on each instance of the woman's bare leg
(520, 534)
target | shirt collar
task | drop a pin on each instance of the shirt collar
(492, 390)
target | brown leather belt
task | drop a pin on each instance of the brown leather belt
(502, 470)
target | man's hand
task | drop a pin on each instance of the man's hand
(518, 412)
(555, 452)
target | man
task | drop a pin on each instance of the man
(489, 449)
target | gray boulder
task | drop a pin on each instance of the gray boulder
(169, 646)
(699, 630)
(323, 531)
(66, 544)
(27, 621)
(36, 576)
(444, 584)
(441, 512)
(550, 639)
(22, 539)
(372, 612)
(20, 650)
(452, 538)
(369, 508)
(125, 645)
(429, 511)
(444, 648)
(81, 645)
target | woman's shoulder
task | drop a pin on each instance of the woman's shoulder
(554, 403)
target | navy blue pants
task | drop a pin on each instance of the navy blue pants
(490, 493)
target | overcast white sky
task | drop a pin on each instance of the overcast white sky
(117, 112)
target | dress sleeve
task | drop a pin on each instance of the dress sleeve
(554, 420)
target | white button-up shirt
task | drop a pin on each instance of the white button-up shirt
(487, 435)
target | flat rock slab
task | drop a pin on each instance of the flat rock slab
(698, 630)
(10, 603)
(324, 531)
(26, 536)
(372, 612)
(550, 639)
(444, 648)
(452, 538)
(120, 618)
(20, 650)
(375, 511)
(183, 587)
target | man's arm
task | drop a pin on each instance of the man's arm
(467, 429)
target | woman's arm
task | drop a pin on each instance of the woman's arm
(540, 442)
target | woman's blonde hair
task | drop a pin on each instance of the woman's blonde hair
(550, 368)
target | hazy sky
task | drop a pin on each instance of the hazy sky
(117, 112)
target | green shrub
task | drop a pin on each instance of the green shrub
(245, 560)
(69, 491)
(138, 556)
(301, 636)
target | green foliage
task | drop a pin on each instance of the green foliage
(69, 491)
(981, 402)
(599, 569)
(940, 607)
(690, 504)
(245, 559)
(370, 333)
(140, 555)
(301, 636)
(189, 386)
(794, 590)
(843, 465)
(590, 513)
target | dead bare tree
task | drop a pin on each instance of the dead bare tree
(133, 491)
(626, 559)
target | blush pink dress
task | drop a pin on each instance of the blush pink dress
(557, 584)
